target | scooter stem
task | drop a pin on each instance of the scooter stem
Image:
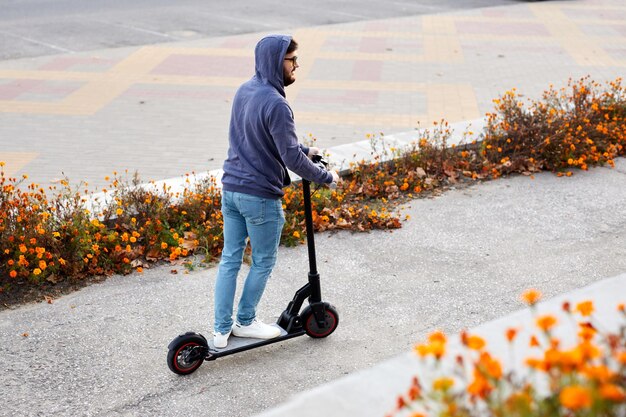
(308, 216)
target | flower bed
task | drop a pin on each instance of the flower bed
(584, 378)
(48, 237)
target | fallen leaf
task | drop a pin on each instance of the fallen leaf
(25, 334)
(174, 271)
(52, 278)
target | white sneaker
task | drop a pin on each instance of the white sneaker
(257, 329)
(220, 341)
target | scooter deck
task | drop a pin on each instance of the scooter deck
(241, 343)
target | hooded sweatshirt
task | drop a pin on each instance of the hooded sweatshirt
(262, 136)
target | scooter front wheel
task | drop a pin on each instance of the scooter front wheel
(186, 353)
(313, 328)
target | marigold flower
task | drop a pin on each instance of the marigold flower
(13, 274)
(36, 271)
(575, 397)
(612, 392)
(534, 342)
(437, 336)
(475, 342)
(511, 333)
(296, 234)
(531, 296)
(546, 322)
(443, 384)
(585, 308)
(163, 245)
(479, 387)
(422, 350)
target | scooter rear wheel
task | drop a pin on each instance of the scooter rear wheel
(186, 353)
(313, 329)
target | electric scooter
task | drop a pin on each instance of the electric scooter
(318, 319)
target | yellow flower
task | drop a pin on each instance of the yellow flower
(119, 211)
(163, 245)
(296, 234)
(36, 271)
(443, 384)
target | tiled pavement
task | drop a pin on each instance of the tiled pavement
(163, 110)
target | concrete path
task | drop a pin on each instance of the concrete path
(459, 261)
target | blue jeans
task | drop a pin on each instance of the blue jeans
(262, 220)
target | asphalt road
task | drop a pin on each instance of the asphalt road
(30, 28)
(462, 259)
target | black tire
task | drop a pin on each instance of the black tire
(313, 329)
(181, 348)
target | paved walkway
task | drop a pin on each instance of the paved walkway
(163, 109)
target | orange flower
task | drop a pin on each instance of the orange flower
(599, 373)
(531, 296)
(546, 322)
(612, 392)
(13, 274)
(490, 365)
(621, 308)
(296, 234)
(587, 331)
(475, 342)
(422, 350)
(479, 387)
(575, 397)
(534, 342)
(536, 364)
(163, 245)
(585, 308)
(437, 341)
(437, 336)
(510, 334)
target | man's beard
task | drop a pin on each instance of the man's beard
(287, 80)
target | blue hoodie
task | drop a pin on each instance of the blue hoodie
(262, 137)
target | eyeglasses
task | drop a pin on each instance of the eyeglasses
(293, 59)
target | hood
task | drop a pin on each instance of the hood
(269, 55)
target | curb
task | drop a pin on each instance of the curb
(340, 156)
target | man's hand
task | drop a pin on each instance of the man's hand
(313, 151)
(336, 177)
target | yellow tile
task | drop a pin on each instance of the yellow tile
(15, 161)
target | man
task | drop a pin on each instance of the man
(263, 144)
